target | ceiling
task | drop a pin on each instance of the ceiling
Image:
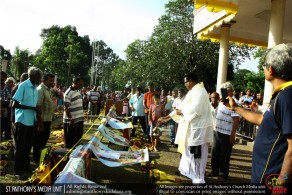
(249, 25)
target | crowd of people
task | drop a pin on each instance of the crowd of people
(196, 118)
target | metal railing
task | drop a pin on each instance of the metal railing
(246, 129)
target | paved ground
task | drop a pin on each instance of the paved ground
(240, 164)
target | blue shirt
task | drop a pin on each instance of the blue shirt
(137, 103)
(271, 145)
(246, 99)
(27, 95)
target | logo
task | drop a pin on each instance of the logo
(274, 183)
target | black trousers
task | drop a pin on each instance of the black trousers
(142, 122)
(40, 140)
(23, 142)
(6, 126)
(221, 152)
(98, 108)
(147, 126)
(72, 134)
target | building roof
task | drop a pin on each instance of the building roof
(249, 20)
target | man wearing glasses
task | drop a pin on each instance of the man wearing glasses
(272, 154)
(196, 110)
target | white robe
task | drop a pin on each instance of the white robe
(195, 128)
(194, 168)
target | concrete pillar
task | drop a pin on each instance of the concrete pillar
(4, 65)
(223, 55)
(56, 80)
(275, 37)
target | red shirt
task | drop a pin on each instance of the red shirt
(148, 99)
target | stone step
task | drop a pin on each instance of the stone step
(244, 142)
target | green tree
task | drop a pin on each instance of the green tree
(245, 79)
(136, 66)
(255, 81)
(105, 62)
(173, 51)
(239, 80)
(119, 77)
(260, 53)
(5, 55)
(65, 53)
(21, 61)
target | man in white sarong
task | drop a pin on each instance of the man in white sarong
(197, 116)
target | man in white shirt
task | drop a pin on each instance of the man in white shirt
(214, 105)
(227, 122)
(130, 95)
(169, 108)
(177, 101)
(196, 111)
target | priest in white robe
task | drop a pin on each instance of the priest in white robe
(196, 130)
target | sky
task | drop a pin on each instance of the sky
(250, 64)
(117, 22)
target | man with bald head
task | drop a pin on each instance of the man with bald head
(25, 104)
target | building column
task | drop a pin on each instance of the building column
(4, 65)
(56, 79)
(223, 56)
(275, 37)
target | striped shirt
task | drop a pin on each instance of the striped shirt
(73, 99)
(224, 120)
(93, 96)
